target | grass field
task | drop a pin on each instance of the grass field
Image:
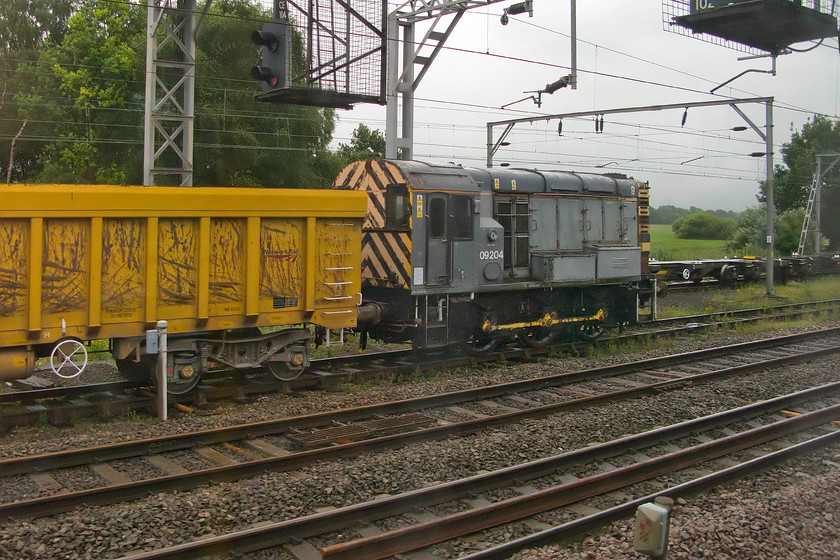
(752, 295)
(665, 246)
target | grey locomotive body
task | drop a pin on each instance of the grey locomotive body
(479, 256)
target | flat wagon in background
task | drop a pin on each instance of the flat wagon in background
(221, 265)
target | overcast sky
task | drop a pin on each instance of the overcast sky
(625, 59)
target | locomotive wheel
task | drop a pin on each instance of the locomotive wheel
(538, 337)
(480, 343)
(591, 332)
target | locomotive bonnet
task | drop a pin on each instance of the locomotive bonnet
(452, 254)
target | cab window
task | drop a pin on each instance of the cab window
(437, 218)
(462, 212)
(397, 206)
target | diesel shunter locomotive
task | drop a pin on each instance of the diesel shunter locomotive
(481, 256)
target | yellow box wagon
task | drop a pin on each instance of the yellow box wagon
(221, 265)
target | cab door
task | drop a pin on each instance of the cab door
(438, 250)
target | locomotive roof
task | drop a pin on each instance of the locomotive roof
(452, 177)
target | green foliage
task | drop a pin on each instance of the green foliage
(100, 45)
(703, 226)
(751, 234)
(75, 163)
(668, 214)
(788, 226)
(73, 95)
(80, 93)
(365, 144)
(792, 181)
(243, 142)
(27, 24)
(753, 295)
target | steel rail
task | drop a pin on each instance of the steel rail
(625, 510)
(69, 391)
(327, 371)
(110, 494)
(160, 444)
(339, 519)
(513, 509)
(806, 306)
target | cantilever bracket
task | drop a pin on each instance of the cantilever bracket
(535, 98)
(772, 72)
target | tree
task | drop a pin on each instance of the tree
(751, 232)
(27, 25)
(364, 144)
(78, 94)
(793, 180)
(82, 98)
(666, 214)
(243, 142)
(702, 225)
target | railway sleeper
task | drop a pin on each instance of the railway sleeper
(361, 431)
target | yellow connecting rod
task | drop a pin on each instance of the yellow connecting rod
(546, 321)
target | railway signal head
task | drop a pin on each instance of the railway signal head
(274, 40)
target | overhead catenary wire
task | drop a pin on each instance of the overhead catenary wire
(502, 57)
(455, 105)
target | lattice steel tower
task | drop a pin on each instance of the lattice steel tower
(170, 92)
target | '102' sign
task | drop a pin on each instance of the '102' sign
(703, 5)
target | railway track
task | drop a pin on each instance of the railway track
(545, 494)
(62, 405)
(32, 485)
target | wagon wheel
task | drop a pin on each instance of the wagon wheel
(141, 371)
(728, 274)
(69, 358)
(182, 385)
(286, 371)
(283, 371)
(146, 371)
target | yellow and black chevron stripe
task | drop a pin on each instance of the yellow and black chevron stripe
(644, 225)
(386, 255)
